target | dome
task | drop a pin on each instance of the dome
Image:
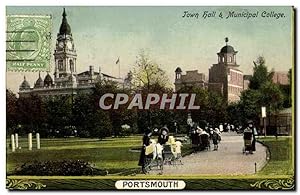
(178, 69)
(25, 84)
(48, 80)
(39, 82)
(65, 28)
(227, 49)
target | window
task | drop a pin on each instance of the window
(71, 66)
(60, 65)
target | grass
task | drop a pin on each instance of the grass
(281, 156)
(112, 154)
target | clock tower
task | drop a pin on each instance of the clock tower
(64, 53)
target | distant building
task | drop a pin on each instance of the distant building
(281, 77)
(191, 78)
(66, 79)
(247, 81)
(224, 78)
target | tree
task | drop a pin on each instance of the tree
(59, 115)
(117, 117)
(271, 96)
(287, 91)
(147, 73)
(100, 124)
(31, 113)
(250, 105)
(148, 77)
(260, 73)
(11, 111)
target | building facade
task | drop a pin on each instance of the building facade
(191, 78)
(224, 78)
(65, 79)
(281, 78)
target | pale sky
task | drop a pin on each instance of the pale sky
(102, 34)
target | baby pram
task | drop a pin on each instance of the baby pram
(248, 138)
(153, 157)
(205, 143)
(195, 140)
(172, 152)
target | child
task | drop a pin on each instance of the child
(215, 138)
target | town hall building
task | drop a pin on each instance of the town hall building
(66, 80)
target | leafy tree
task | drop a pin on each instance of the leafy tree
(287, 91)
(235, 114)
(31, 113)
(260, 73)
(101, 125)
(117, 117)
(271, 96)
(147, 73)
(148, 77)
(11, 111)
(290, 76)
(59, 115)
(250, 105)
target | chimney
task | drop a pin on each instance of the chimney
(91, 70)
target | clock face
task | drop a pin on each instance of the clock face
(70, 45)
(61, 44)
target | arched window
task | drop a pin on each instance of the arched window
(71, 65)
(230, 59)
(60, 65)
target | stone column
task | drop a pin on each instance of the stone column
(38, 143)
(13, 147)
(17, 140)
(29, 141)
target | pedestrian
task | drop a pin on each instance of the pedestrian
(228, 128)
(216, 138)
(254, 133)
(146, 142)
(221, 127)
(163, 135)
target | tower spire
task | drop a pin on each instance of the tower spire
(64, 13)
(65, 28)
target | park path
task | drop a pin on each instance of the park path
(228, 160)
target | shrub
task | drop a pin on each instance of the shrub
(62, 167)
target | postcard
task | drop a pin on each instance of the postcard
(150, 98)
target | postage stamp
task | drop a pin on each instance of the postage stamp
(28, 39)
(151, 98)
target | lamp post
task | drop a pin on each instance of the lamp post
(264, 115)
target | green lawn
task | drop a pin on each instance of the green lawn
(112, 154)
(281, 156)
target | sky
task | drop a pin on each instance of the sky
(104, 34)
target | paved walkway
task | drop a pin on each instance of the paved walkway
(228, 160)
